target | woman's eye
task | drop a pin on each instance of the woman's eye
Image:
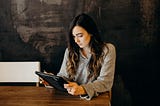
(80, 35)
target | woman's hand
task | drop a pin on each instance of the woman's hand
(74, 89)
(45, 83)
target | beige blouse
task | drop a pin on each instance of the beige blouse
(93, 85)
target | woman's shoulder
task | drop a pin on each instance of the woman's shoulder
(109, 46)
(66, 51)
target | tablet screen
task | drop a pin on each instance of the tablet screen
(55, 81)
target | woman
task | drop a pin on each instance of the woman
(89, 63)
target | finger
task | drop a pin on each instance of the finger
(66, 86)
(69, 89)
(72, 92)
(43, 82)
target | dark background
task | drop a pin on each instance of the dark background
(35, 30)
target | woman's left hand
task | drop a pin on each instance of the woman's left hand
(74, 89)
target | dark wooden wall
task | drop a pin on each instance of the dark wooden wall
(32, 30)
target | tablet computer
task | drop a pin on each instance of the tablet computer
(56, 81)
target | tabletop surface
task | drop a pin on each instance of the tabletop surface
(41, 96)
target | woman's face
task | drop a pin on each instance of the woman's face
(81, 36)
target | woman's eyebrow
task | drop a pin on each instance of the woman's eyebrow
(77, 34)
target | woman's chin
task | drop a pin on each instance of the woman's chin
(81, 46)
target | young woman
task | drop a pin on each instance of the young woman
(89, 63)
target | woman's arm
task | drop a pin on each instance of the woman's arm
(63, 72)
(104, 81)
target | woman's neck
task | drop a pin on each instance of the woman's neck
(86, 51)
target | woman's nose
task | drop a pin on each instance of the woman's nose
(76, 39)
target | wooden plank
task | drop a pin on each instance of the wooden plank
(41, 96)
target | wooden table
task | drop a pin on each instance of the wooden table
(41, 96)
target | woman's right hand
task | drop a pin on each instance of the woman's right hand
(45, 83)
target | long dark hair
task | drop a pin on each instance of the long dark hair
(96, 44)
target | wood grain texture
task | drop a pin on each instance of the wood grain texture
(41, 96)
